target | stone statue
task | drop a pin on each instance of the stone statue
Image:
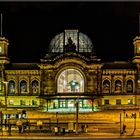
(70, 47)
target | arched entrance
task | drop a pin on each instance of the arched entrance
(70, 81)
(70, 87)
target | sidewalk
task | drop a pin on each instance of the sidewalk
(67, 135)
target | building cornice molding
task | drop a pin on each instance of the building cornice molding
(22, 72)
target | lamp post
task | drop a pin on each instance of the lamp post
(57, 118)
(5, 89)
(77, 113)
(5, 92)
(123, 116)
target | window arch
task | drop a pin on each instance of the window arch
(70, 80)
(11, 87)
(106, 86)
(118, 86)
(35, 86)
(129, 86)
(23, 86)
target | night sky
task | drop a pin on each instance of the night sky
(30, 27)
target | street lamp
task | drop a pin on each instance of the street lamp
(77, 113)
(5, 92)
(123, 116)
(57, 118)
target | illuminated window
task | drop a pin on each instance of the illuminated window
(0, 49)
(34, 102)
(80, 103)
(22, 102)
(11, 102)
(71, 103)
(130, 101)
(70, 80)
(106, 102)
(106, 86)
(129, 86)
(11, 87)
(35, 86)
(23, 86)
(118, 86)
(62, 103)
(118, 101)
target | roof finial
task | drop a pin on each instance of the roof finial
(1, 26)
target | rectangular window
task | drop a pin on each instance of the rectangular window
(130, 101)
(118, 101)
(34, 102)
(62, 103)
(11, 102)
(22, 102)
(80, 103)
(71, 103)
(106, 102)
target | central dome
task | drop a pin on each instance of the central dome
(81, 42)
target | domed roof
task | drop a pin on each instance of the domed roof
(81, 41)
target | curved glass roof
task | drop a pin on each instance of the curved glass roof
(81, 41)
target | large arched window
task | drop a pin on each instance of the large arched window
(70, 80)
(23, 86)
(35, 86)
(129, 86)
(118, 86)
(106, 86)
(11, 87)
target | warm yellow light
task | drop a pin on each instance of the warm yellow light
(5, 82)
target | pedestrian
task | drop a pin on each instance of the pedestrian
(9, 129)
(124, 128)
(56, 130)
(19, 124)
(82, 127)
(39, 124)
(127, 115)
(86, 126)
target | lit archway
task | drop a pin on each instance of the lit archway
(70, 80)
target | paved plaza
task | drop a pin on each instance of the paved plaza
(100, 125)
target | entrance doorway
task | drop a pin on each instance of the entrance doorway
(70, 81)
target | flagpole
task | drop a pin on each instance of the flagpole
(1, 26)
(139, 24)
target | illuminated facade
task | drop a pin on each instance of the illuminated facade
(70, 71)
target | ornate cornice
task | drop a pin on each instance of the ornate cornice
(22, 72)
(119, 72)
(68, 58)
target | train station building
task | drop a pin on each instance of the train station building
(70, 72)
